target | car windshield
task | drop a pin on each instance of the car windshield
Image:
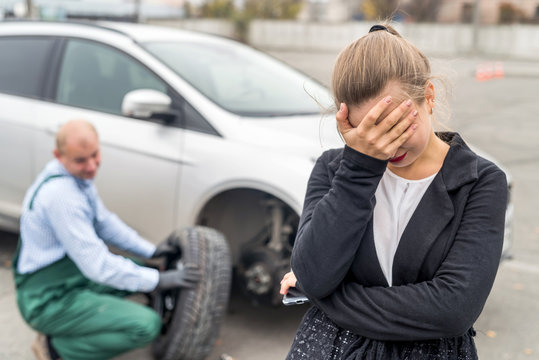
(242, 80)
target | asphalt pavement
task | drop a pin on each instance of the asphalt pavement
(498, 115)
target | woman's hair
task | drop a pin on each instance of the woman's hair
(366, 66)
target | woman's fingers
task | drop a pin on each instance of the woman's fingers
(400, 127)
(288, 281)
(287, 275)
(404, 136)
(285, 285)
(343, 124)
(396, 115)
(401, 135)
(371, 119)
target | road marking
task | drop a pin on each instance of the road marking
(522, 266)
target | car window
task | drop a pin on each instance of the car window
(192, 120)
(97, 77)
(23, 63)
(240, 79)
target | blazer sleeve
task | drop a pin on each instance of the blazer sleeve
(336, 212)
(447, 305)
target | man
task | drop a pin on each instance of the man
(70, 287)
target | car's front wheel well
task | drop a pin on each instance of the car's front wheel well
(260, 230)
(242, 214)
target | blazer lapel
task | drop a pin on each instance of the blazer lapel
(434, 212)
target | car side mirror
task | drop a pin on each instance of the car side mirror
(147, 104)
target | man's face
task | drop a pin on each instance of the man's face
(81, 156)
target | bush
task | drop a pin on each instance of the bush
(509, 14)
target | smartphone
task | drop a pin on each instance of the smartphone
(294, 297)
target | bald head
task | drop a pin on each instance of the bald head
(75, 132)
(77, 148)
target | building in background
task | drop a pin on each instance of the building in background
(491, 11)
(444, 11)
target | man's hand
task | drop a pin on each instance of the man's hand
(185, 277)
(164, 249)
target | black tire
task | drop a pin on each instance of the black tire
(192, 318)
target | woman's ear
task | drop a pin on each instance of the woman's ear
(430, 96)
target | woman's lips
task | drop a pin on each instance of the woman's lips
(398, 158)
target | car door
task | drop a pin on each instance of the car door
(141, 163)
(23, 65)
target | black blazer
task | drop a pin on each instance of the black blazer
(446, 260)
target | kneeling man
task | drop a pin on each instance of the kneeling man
(70, 287)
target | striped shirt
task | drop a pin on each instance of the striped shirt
(69, 218)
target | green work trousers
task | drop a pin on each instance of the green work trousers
(83, 319)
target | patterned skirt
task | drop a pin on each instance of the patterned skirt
(320, 338)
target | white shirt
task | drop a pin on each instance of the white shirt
(396, 200)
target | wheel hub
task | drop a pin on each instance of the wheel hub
(258, 279)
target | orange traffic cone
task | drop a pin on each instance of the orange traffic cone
(480, 74)
(484, 71)
(489, 71)
(498, 70)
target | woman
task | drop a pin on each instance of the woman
(401, 232)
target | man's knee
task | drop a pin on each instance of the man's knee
(148, 326)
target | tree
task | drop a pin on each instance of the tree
(379, 9)
(509, 14)
(252, 9)
(188, 9)
(29, 6)
(273, 9)
(218, 9)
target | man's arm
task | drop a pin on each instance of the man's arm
(111, 229)
(71, 218)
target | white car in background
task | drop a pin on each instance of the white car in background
(195, 129)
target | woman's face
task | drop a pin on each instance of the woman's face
(415, 146)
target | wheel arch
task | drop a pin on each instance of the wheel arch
(239, 210)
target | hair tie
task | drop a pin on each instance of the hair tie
(378, 27)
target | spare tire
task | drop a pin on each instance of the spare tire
(192, 317)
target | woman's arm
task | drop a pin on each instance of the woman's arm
(447, 305)
(335, 215)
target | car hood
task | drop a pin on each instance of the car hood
(306, 135)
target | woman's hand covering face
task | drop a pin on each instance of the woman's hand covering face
(378, 135)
